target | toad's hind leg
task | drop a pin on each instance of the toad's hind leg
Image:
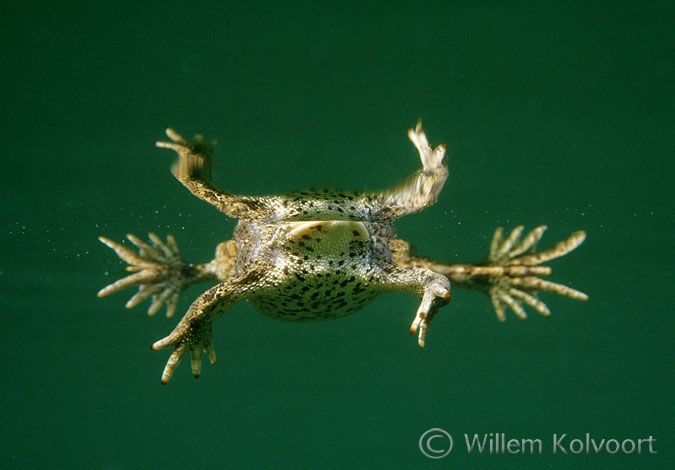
(193, 170)
(160, 272)
(510, 275)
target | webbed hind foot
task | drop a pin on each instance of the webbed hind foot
(158, 270)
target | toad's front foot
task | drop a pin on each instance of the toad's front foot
(193, 335)
(512, 274)
(159, 271)
(194, 157)
(436, 294)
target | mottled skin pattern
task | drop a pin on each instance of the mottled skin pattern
(321, 254)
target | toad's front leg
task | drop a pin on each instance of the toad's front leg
(193, 332)
(193, 170)
(418, 191)
(432, 288)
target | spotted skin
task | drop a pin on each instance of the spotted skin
(320, 254)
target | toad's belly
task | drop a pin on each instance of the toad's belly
(315, 299)
(319, 270)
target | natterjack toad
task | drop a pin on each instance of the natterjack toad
(321, 254)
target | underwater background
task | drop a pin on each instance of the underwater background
(557, 113)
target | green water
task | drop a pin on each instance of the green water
(555, 115)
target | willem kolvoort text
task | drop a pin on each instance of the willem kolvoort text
(497, 443)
